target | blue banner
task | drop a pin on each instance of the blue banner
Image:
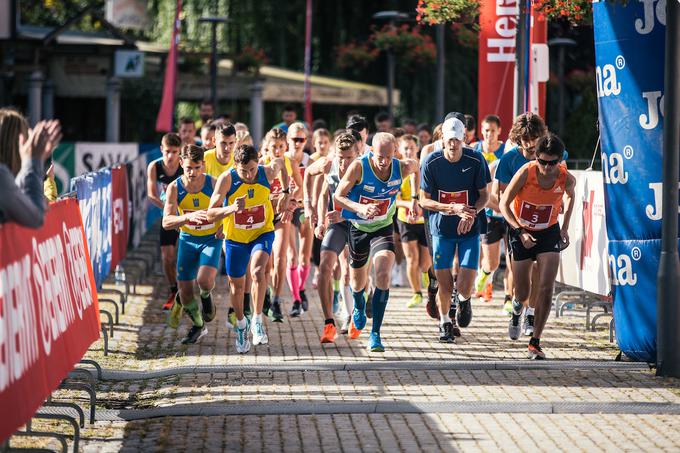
(94, 198)
(629, 54)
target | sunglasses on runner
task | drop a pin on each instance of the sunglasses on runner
(548, 163)
(299, 139)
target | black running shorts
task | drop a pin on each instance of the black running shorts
(363, 244)
(336, 237)
(412, 232)
(495, 231)
(168, 237)
(547, 241)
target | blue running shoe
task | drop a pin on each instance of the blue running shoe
(359, 318)
(374, 343)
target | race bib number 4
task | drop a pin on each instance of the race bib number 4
(250, 218)
(536, 217)
(383, 206)
(460, 197)
(198, 226)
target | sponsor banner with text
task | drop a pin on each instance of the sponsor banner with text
(629, 57)
(93, 156)
(49, 314)
(119, 214)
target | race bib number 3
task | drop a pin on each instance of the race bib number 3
(250, 218)
(536, 217)
(460, 197)
(383, 206)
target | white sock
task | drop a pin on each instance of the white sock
(346, 294)
(461, 298)
(257, 318)
(443, 319)
(241, 323)
(530, 311)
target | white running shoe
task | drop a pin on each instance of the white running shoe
(259, 334)
(242, 342)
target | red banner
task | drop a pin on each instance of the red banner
(167, 110)
(49, 314)
(119, 206)
(497, 35)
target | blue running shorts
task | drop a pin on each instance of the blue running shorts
(194, 252)
(444, 249)
(237, 254)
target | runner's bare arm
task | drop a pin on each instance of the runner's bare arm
(483, 199)
(408, 167)
(494, 195)
(349, 180)
(427, 149)
(569, 194)
(171, 218)
(216, 211)
(509, 194)
(152, 187)
(297, 178)
(426, 202)
(312, 175)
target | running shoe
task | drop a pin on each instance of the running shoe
(514, 326)
(535, 353)
(353, 332)
(304, 301)
(507, 308)
(208, 307)
(446, 333)
(374, 343)
(275, 312)
(295, 310)
(347, 320)
(455, 329)
(171, 300)
(528, 325)
(416, 300)
(231, 319)
(195, 334)
(329, 333)
(487, 295)
(259, 334)
(431, 306)
(175, 314)
(242, 342)
(480, 281)
(359, 318)
(464, 313)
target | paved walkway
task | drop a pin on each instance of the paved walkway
(296, 394)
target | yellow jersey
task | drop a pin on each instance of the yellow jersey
(190, 202)
(405, 195)
(258, 216)
(213, 167)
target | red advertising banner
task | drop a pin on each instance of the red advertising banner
(49, 314)
(167, 109)
(497, 34)
(119, 208)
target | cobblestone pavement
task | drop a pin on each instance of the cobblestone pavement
(296, 394)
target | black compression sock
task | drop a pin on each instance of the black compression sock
(329, 321)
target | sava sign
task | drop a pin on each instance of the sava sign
(93, 156)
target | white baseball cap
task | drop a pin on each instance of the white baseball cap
(453, 128)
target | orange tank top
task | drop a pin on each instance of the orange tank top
(537, 208)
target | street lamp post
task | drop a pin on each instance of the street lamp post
(214, 22)
(561, 44)
(392, 17)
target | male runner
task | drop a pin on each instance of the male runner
(159, 174)
(367, 194)
(333, 230)
(453, 189)
(241, 198)
(187, 131)
(531, 204)
(198, 253)
(526, 129)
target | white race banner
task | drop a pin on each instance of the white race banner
(93, 156)
(584, 263)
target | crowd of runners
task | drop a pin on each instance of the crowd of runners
(351, 208)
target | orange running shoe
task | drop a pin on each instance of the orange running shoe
(353, 331)
(171, 300)
(488, 292)
(329, 333)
